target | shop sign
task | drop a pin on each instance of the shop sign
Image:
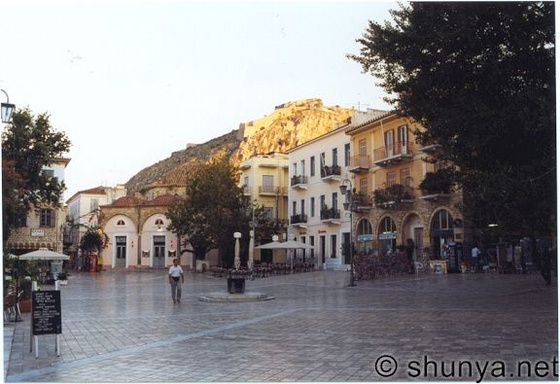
(37, 232)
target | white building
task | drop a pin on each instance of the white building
(83, 213)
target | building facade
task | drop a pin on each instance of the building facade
(42, 227)
(83, 213)
(387, 167)
(264, 179)
(138, 235)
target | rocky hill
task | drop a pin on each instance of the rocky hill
(288, 126)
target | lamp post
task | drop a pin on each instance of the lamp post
(346, 190)
(7, 108)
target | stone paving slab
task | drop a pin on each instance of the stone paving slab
(123, 327)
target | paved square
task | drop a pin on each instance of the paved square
(124, 327)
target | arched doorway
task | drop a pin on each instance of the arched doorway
(387, 234)
(413, 229)
(443, 240)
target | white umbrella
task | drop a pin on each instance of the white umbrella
(43, 254)
(290, 244)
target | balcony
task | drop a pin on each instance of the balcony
(359, 163)
(299, 220)
(269, 190)
(390, 155)
(395, 195)
(330, 216)
(330, 173)
(437, 184)
(299, 182)
(362, 202)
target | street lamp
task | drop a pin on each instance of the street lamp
(346, 190)
(7, 108)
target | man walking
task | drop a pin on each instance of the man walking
(176, 277)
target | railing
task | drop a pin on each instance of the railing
(399, 149)
(360, 161)
(327, 171)
(298, 180)
(268, 190)
(299, 218)
(330, 213)
(396, 193)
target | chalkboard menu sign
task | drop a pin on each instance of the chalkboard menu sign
(46, 313)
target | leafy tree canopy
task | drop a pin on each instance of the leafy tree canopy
(29, 143)
(479, 76)
(213, 209)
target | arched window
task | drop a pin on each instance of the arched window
(159, 222)
(121, 223)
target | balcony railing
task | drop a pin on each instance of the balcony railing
(394, 194)
(330, 172)
(362, 201)
(359, 163)
(330, 214)
(298, 219)
(387, 155)
(299, 181)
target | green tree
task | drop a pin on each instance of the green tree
(29, 143)
(213, 209)
(479, 76)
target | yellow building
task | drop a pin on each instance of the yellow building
(264, 179)
(388, 166)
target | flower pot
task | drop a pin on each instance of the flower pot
(25, 305)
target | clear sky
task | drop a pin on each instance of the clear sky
(132, 81)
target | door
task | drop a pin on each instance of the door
(322, 247)
(403, 139)
(159, 251)
(120, 251)
(346, 250)
(389, 143)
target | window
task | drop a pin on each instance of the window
(335, 157)
(312, 166)
(46, 218)
(121, 223)
(302, 206)
(47, 173)
(21, 218)
(334, 200)
(403, 138)
(303, 167)
(364, 185)
(93, 204)
(347, 154)
(323, 202)
(312, 208)
(389, 143)
(391, 179)
(294, 208)
(268, 183)
(294, 169)
(405, 177)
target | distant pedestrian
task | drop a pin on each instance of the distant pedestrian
(475, 256)
(176, 278)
